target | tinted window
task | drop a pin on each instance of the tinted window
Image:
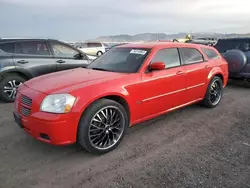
(168, 56)
(32, 48)
(244, 46)
(7, 47)
(94, 45)
(211, 54)
(63, 51)
(191, 55)
(224, 45)
(127, 60)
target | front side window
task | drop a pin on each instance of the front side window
(168, 56)
(211, 54)
(63, 51)
(32, 48)
(126, 60)
(191, 55)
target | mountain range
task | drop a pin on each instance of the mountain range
(160, 36)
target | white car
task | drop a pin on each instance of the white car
(92, 48)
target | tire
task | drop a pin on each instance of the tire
(236, 59)
(90, 126)
(11, 81)
(208, 100)
(99, 53)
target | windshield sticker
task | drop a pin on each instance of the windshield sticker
(141, 52)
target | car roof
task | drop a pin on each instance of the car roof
(151, 45)
(235, 38)
(13, 39)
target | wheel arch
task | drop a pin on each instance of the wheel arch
(119, 98)
(216, 72)
(21, 73)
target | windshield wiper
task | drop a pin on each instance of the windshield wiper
(101, 69)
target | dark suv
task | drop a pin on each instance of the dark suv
(237, 53)
(23, 59)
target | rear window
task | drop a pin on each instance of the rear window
(224, 45)
(7, 47)
(211, 54)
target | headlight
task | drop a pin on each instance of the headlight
(58, 103)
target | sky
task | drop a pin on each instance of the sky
(88, 19)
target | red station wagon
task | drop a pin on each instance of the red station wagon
(125, 86)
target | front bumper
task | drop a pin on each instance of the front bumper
(56, 129)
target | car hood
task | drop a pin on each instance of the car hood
(69, 80)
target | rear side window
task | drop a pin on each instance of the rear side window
(191, 55)
(7, 47)
(210, 53)
(32, 48)
(169, 56)
(94, 45)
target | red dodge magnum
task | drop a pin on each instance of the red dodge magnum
(125, 86)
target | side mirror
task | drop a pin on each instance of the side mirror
(157, 66)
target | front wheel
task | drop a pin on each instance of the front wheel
(214, 92)
(102, 126)
(8, 87)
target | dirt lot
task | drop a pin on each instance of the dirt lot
(191, 147)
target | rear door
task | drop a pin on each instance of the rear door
(6, 56)
(35, 57)
(197, 70)
(66, 56)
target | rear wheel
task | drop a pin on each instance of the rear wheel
(102, 126)
(214, 92)
(99, 53)
(8, 87)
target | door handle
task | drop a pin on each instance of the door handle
(180, 72)
(60, 61)
(206, 66)
(22, 61)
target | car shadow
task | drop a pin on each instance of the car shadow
(75, 150)
(238, 83)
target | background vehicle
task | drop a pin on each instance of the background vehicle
(125, 86)
(93, 48)
(187, 38)
(237, 53)
(23, 59)
(204, 41)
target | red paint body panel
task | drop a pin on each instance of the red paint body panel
(148, 94)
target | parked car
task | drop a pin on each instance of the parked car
(204, 41)
(127, 85)
(236, 51)
(93, 48)
(23, 59)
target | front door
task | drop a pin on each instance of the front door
(197, 69)
(67, 57)
(164, 89)
(34, 57)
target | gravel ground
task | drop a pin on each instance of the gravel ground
(191, 147)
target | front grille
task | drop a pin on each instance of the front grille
(26, 104)
(25, 111)
(26, 100)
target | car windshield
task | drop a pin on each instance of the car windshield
(125, 60)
